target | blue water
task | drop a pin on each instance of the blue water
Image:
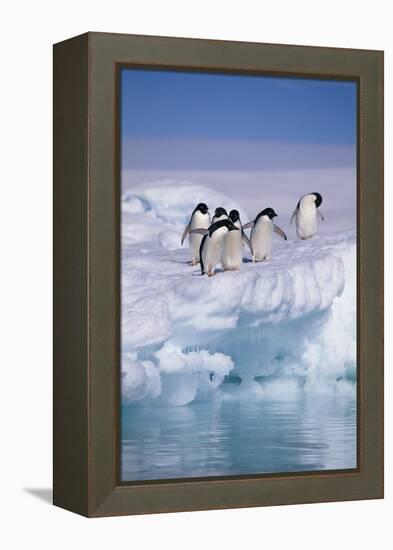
(238, 437)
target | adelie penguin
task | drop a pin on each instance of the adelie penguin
(306, 213)
(232, 250)
(200, 218)
(212, 244)
(220, 214)
(262, 234)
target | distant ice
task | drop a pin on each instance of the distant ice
(279, 188)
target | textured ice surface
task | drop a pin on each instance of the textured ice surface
(270, 330)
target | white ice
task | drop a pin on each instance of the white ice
(274, 329)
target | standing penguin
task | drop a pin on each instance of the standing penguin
(232, 250)
(220, 214)
(306, 213)
(200, 218)
(262, 234)
(212, 243)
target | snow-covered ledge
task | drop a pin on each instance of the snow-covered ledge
(272, 330)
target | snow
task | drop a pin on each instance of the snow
(281, 327)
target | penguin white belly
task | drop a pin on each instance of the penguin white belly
(306, 221)
(211, 250)
(261, 240)
(232, 251)
(199, 221)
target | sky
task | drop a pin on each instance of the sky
(220, 106)
(234, 130)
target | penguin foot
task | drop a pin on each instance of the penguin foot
(211, 273)
(194, 262)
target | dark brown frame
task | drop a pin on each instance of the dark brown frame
(86, 274)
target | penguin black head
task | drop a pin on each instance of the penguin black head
(267, 212)
(220, 211)
(202, 207)
(318, 199)
(234, 215)
(222, 223)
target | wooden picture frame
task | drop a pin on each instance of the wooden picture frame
(86, 274)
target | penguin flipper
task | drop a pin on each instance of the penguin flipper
(248, 242)
(200, 254)
(279, 231)
(248, 225)
(294, 212)
(185, 232)
(320, 215)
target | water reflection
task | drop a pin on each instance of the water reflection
(238, 437)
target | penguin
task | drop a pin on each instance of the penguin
(262, 233)
(232, 250)
(306, 213)
(199, 218)
(212, 243)
(234, 216)
(220, 214)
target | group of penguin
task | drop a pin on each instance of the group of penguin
(221, 238)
